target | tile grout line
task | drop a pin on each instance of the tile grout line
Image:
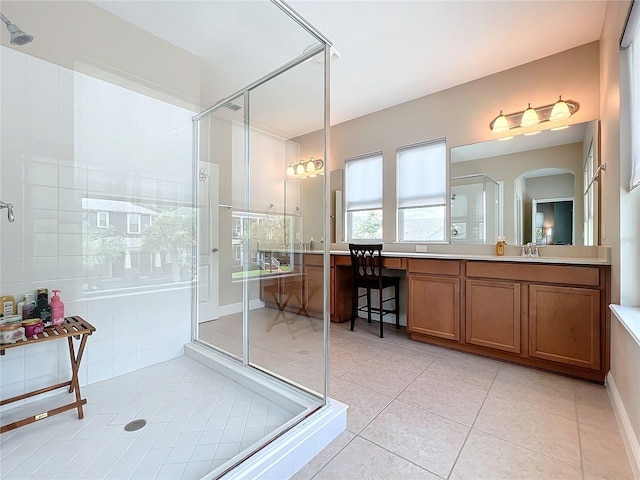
(575, 404)
(453, 466)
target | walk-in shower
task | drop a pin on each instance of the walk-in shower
(476, 209)
(18, 37)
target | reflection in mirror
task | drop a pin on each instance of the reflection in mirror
(554, 164)
(475, 209)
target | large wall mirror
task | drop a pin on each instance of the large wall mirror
(531, 188)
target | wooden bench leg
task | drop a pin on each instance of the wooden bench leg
(75, 366)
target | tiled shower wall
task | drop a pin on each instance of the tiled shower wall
(73, 146)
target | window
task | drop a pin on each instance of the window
(102, 219)
(133, 223)
(631, 40)
(422, 192)
(364, 197)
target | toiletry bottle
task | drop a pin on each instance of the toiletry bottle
(311, 244)
(8, 305)
(27, 308)
(500, 246)
(43, 310)
(57, 309)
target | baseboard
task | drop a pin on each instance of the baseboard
(626, 430)
(224, 310)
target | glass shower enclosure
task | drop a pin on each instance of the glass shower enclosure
(261, 293)
(476, 209)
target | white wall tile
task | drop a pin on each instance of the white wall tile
(100, 371)
(12, 270)
(70, 222)
(66, 154)
(40, 364)
(12, 370)
(72, 177)
(44, 198)
(70, 244)
(70, 199)
(41, 245)
(41, 269)
(124, 363)
(42, 221)
(70, 267)
(41, 75)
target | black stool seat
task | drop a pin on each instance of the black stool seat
(366, 262)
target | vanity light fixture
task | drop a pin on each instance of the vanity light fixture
(531, 116)
(303, 169)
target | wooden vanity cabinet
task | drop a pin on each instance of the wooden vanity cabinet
(436, 284)
(564, 325)
(549, 316)
(314, 284)
(493, 314)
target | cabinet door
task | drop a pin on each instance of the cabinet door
(434, 306)
(564, 325)
(314, 288)
(493, 315)
(291, 293)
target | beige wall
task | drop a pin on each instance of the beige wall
(85, 38)
(620, 209)
(462, 114)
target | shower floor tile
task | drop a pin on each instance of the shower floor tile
(197, 419)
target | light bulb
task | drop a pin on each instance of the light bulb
(560, 111)
(311, 166)
(290, 171)
(500, 124)
(529, 117)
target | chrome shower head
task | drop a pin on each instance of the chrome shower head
(18, 37)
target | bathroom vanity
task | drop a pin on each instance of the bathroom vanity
(549, 313)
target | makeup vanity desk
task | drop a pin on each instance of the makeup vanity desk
(548, 313)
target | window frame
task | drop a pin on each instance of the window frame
(106, 219)
(447, 193)
(348, 212)
(129, 230)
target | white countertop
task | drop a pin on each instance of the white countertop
(544, 257)
(492, 258)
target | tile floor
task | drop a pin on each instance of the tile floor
(420, 411)
(198, 419)
(416, 411)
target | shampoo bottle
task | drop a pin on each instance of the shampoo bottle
(43, 310)
(27, 307)
(57, 309)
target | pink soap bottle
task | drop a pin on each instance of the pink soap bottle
(57, 309)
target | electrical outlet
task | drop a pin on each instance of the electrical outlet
(421, 248)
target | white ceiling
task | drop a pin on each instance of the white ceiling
(392, 51)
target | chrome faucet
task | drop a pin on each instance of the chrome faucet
(9, 206)
(530, 250)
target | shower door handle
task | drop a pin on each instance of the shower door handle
(214, 250)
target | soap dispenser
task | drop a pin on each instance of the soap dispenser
(57, 309)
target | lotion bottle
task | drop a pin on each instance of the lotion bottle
(57, 309)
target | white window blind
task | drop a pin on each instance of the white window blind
(422, 175)
(364, 183)
(631, 39)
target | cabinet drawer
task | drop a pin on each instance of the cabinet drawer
(436, 267)
(313, 259)
(524, 272)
